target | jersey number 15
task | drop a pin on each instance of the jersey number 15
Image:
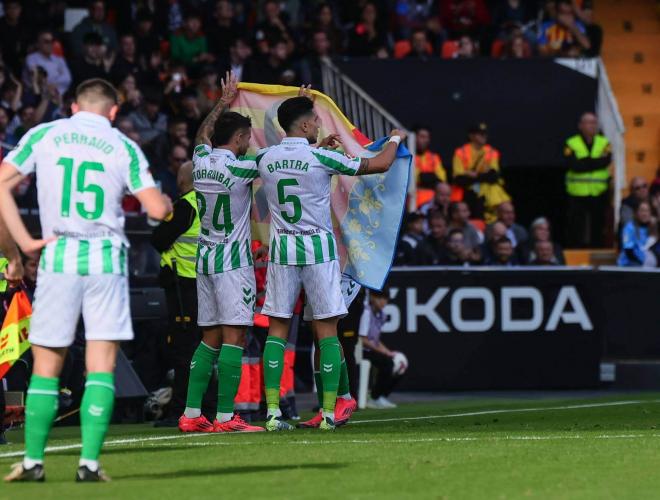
(81, 187)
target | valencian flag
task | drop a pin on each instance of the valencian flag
(14, 333)
(366, 210)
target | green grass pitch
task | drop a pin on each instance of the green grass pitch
(605, 447)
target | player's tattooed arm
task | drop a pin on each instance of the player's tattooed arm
(382, 161)
(229, 86)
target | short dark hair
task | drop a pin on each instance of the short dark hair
(292, 109)
(97, 87)
(436, 214)
(227, 125)
(92, 38)
(454, 231)
(503, 239)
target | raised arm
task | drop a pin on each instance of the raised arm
(383, 160)
(229, 90)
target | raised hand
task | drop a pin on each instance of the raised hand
(333, 141)
(229, 85)
(306, 91)
(398, 132)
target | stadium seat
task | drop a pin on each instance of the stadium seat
(449, 49)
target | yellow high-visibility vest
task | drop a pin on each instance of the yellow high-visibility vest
(184, 249)
(592, 183)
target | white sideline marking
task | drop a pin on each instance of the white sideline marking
(509, 410)
(152, 439)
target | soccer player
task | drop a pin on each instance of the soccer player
(296, 178)
(346, 404)
(226, 287)
(83, 168)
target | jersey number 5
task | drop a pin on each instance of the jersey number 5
(81, 187)
(289, 198)
(222, 204)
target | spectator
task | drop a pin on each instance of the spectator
(382, 359)
(406, 251)
(167, 176)
(494, 232)
(310, 66)
(239, 61)
(468, 48)
(544, 254)
(125, 126)
(638, 192)
(588, 157)
(11, 92)
(55, 66)
(433, 250)
(126, 62)
(224, 31)
(420, 47)
(503, 254)
(273, 26)
(540, 231)
(412, 15)
(594, 32)
(516, 48)
(326, 22)
(459, 218)
(7, 140)
(461, 17)
(439, 203)
(147, 119)
(275, 68)
(506, 214)
(190, 112)
(92, 63)
(476, 169)
(458, 254)
(189, 45)
(94, 23)
(429, 170)
(367, 38)
(15, 35)
(147, 40)
(564, 36)
(208, 89)
(158, 150)
(129, 95)
(638, 236)
(510, 14)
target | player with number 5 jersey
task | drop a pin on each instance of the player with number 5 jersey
(226, 290)
(83, 167)
(297, 180)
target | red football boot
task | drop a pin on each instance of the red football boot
(236, 424)
(312, 423)
(344, 408)
(198, 424)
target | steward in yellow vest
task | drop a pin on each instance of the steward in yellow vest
(176, 240)
(588, 157)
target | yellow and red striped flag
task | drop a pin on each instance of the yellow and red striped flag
(14, 334)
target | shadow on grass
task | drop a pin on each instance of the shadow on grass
(212, 471)
(119, 450)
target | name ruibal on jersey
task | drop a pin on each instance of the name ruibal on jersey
(223, 184)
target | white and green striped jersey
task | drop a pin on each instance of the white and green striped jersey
(297, 181)
(83, 166)
(223, 184)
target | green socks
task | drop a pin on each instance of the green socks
(330, 368)
(96, 412)
(273, 366)
(229, 376)
(40, 411)
(201, 368)
(319, 387)
(344, 385)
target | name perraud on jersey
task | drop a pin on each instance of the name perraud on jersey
(445, 310)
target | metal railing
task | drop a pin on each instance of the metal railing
(365, 113)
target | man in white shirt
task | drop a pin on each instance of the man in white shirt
(56, 67)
